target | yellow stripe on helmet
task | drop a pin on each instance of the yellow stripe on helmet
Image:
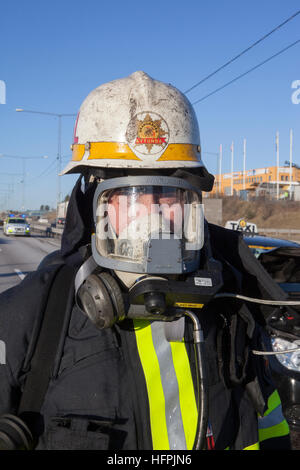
(122, 151)
(180, 152)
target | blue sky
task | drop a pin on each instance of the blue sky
(52, 54)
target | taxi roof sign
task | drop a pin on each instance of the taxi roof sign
(241, 225)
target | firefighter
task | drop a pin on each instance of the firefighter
(122, 339)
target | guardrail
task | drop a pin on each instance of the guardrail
(47, 230)
(279, 230)
(56, 232)
(289, 233)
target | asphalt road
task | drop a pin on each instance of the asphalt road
(21, 255)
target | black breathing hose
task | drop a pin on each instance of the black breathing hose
(202, 389)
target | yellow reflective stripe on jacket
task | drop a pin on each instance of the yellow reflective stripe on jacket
(186, 392)
(156, 397)
(172, 404)
(273, 423)
(273, 402)
(252, 447)
(278, 430)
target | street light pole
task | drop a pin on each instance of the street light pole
(232, 156)
(244, 165)
(220, 169)
(6, 194)
(23, 183)
(277, 165)
(23, 159)
(59, 162)
(291, 161)
(219, 163)
(8, 190)
(58, 116)
(12, 175)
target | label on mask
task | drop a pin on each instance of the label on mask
(187, 305)
(203, 281)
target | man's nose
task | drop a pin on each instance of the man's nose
(149, 201)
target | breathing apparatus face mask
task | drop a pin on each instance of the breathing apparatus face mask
(150, 228)
(148, 225)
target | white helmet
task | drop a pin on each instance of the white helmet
(135, 122)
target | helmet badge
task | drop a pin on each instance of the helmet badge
(149, 133)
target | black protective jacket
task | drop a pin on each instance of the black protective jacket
(97, 397)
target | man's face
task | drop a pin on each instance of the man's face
(126, 206)
(129, 218)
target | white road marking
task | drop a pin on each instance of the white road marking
(19, 273)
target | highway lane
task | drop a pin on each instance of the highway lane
(21, 255)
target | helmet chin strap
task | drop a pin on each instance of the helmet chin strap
(85, 270)
(89, 266)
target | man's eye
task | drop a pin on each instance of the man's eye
(167, 200)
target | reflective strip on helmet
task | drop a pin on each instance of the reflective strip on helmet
(109, 150)
(173, 410)
(180, 152)
(77, 152)
(122, 151)
(104, 150)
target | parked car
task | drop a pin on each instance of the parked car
(281, 259)
(60, 221)
(260, 244)
(16, 226)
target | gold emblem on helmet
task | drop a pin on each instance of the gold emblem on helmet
(151, 133)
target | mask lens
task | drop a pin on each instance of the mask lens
(128, 218)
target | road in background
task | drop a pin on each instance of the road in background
(21, 255)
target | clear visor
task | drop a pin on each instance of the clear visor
(128, 218)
